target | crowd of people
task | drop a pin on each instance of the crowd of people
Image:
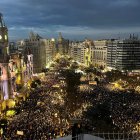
(46, 115)
(122, 105)
(38, 119)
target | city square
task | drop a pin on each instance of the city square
(69, 70)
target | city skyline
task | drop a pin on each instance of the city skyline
(96, 19)
(54, 88)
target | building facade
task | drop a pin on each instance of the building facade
(50, 49)
(5, 83)
(62, 45)
(99, 54)
(12, 66)
(38, 51)
(111, 53)
(124, 54)
(81, 51)
(88, 45)
(76, 51)
(43, 50)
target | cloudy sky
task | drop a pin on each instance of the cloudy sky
(76, 19)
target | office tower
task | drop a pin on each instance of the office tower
(124, 54)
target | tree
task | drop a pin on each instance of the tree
(72, 80)
(72, 98)
(89, 71)
(114, 75)
(74, 65)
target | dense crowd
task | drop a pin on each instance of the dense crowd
(38, 119)
(46, 114)
(123, 106)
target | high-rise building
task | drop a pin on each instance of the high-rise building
(124, 54)
(38, 51)
(50, 49)
(111, 53)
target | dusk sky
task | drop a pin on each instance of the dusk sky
(76, 19)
